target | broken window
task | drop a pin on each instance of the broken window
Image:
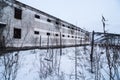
(48, 34)
(57, 23)
(72, 28)
(63, 25)
(37, 16)
(17, 33)
(48, 20)
(68, 26)
(68, 36)
(18, 13)
(56, 34)
(36, 32)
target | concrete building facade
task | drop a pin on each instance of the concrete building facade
(24, 26)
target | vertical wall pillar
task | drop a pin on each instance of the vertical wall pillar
(60, 44)
(92, 47)
(40, 40)
(48, 43)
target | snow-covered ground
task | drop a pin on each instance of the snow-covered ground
(49, 65)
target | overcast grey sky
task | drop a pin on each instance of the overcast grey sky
(83, 13)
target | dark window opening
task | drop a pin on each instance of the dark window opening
(48, 34)
(63, 35)
(48, 20)
(72, 36)
(63, 25)
(68, 36)
(75, 36)
(36, 32)
(56, 34)
(57, 23)
(72, 28)
(68, 26)
(17, 33)
(37, 16)
(18, 13)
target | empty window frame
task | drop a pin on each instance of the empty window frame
(48, 20)
(56, 35)
(76, 29)
(37, 16)
(68, 26)
(63, 25)
(17, 33)
(18, 13)
(48, 34)
(68, 35)
(57, 23)
(81, 30)
(63, 35)
(36, 32)
(72, 28)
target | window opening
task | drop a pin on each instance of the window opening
(68, 26)
(72, 28)
(63, 35)
(18, 13)
(72, 36)
(68, 36)
(57, 23)
(17, 33)
(63, 25)
(48, 20)
(56, 34)
(37, 16)
(36, 32)
(48, 34)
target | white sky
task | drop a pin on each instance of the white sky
(83, 13)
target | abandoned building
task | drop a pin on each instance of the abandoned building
(24, 26)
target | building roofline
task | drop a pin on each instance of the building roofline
(44, 13)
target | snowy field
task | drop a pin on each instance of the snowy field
(50, 65)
